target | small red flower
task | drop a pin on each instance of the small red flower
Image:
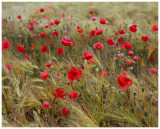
(60, 50)
(44, 75)
(26, 56)
(42, 34)
(145, 38)
(120, 40)
(153, 70)
(117, 33)
(110, 42)
(105, 74)
(122, 31)
(63, 15)
(98, 31)
(55, 33)
(33, 46)
(133, 28)
(73, 95)
(135, 59)
(151, 58)
(20, 48)
(31, 27)
(124, 82)
(130, 53)
(44, 48)
(48, 64)
(102, 21)
(41, 10)
(66, 41)
(78, 27)
(91, 11)
(73, 43)
(59, 93)
(46, 105)
(124, 72)
(80, 30)
(87, 55)
(155, 28)
(91, 61)
(19, 16)
(128, 45)
(8, 67)
(57, 22)
(128, 63)
(122, 47)
(6, 45)
(74, 73)
(65, 111)
(94, 18)
(46, 25)
(98, 46)
(51, 23)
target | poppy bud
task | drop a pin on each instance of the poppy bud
(82, 66)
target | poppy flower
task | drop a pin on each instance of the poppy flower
(82, 35)
(55, 11)
(8, 67)
(6, 45)
(73, 95)
(155, 28)
(63, 15)
(94, 18)
(33, 46)
(117, 33)
(91, 11)
(124, 82)
(48, 64)
(98, 46)
(151, 58)
(51, 23)
(31, 27)
(135, 59)
(66, 41)
(80, 30)
(124, 72)
(20, 48)
(44, 48)
(57, 22)
(110, 42)
(42, 34)
(105, 74)
(120, 40)
(122, 47)
(33, 35)
(156, 103)
(59, 93)
(128, 45)
(92, 33)
(73, 74)
(78, 27)
(41, 10)
(46, 105)
(145, 38)
(120, 55)
(72, 43)
(91, 61)
(121, 31)
(46, 25)
(26, 56)
(130, 53)
(153, 70)
(133, 28)
(128, 63)
(87, 55)
(44, 75)
(60, 50)
(102, 21)
(82, 66)
(19, 16)
(55, 33)
(65, 111)
(98, 31)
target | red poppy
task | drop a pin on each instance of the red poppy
(151, 58)
(153, 70)
(124, 82)
(82, 35)
(120, 40)
(42, 34)
(26, 56)
(130, 53)
(44, 75)
(19, 16)
(117, 33)
(8, 67)
(135, 59)
(46, 25)
(60, 50)
(59, 93)
(63, 15)
(55, 11)
(46, 105)
(98, 46)
(31, 27)
(48, 64)
(133, 28)
(72, 43)
(110, 42)
(74, 73)
(73, 95)
(87, 55)
(44, 48)
(41, 10)
(20, 48)
(80, 30)
(91, 11)
(122, 47)
(121, 31)
(98, 31)
(94, 18)
(92, 33)
(66, 41)
(145, 38)
(65, 111)
(57, 22)
(91, 61)
(128, 63)
(55, 33)
(155, 28)
(102, 21)
(33, 46)
(51, 23)
(78, 27)
(105, 74)
(6, 45)
(128, 45)
(124, 72)
(156, 103)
